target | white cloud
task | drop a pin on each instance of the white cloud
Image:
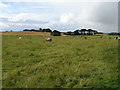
(31, 16)
(67, 18)
(3, 26)
(25, 20)
(3, 5)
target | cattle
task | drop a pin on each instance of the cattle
(48, 39)
(117, 38)
(20, 37)
(84, 37)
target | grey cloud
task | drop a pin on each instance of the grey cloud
(31, 22)
(3, 19)
(106, 13)
(105, 16)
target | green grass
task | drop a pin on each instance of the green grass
(66, 62)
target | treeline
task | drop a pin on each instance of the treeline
(58, 33)
(82, 32)
(54, 32)
(114, 33)
(40, 30)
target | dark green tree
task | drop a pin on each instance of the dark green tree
(90, 31)
(95, 31)
(48, 30)
(56, 33)
(40, 29)
(69, 33)
(83, 31)
(76, 32)
(26, 30)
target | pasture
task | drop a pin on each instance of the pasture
(66, 62)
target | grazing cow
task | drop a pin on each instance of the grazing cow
(48, 39)
(109, 37)
(117, 38)
(84, 37)
(20, 37)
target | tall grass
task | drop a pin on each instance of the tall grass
(66, 62)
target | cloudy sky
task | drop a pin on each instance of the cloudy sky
(62, 15)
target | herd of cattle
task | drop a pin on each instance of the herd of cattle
(50, 39)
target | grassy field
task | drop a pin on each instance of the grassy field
(67, 62)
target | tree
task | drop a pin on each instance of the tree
(26, 30)
(69, 33)
(43, 30)
(90, 31)
(94, 32)
(40, 29)
(114, 33)
(48, 30)
(100, 32)
(32, 30)
(83, 31)
(76, 32)
(56, 33)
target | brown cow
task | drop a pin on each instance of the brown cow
(48, 39)
(84, 37)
